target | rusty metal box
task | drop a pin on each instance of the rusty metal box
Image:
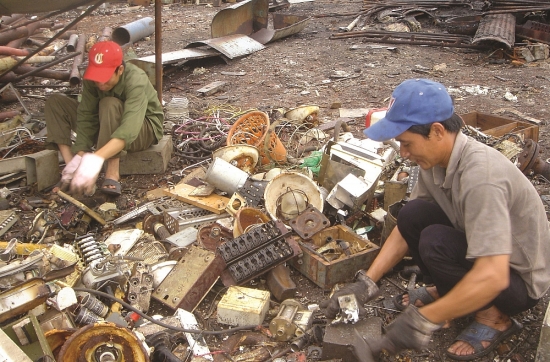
(326, 274)
(499, 126)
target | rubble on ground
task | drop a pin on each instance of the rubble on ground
(205, 265)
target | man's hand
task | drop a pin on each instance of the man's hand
(411, 330)
(70, 168)
(86, 174)
(364, 289)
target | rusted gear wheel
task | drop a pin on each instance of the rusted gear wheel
(103, 342)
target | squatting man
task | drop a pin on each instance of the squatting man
(474, 225)
(119, 112)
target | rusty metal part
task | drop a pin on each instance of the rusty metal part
(390, 37)
(21, 32)
(248, 338)
(23, 298)
(7, 219)
(103, 342)
(153, 225)
(534, 31)
(253, 192)
(82, 207)
(247, 218)
(60, 33)
(257, 251)
(105, 34)
(280, 284)
(75, 77)
(8, 114)
(529, 160)
(140, 287)
(44, 73)
(309, 222)
(282, 327)
(283, 25)
(71, 44)
(466, 25)
(245, 18)
(212, 236)
(38, 69)
(201, 269)
(499, 28)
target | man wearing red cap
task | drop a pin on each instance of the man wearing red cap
(119, 112)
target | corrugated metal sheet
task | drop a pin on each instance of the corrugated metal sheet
(497, 28)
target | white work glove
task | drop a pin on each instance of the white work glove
(86, 174)
(70, 168)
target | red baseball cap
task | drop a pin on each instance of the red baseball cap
(103, 58)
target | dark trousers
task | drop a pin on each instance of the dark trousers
(440, 252)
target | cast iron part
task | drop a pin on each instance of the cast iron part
(529, 161)
(309, 222)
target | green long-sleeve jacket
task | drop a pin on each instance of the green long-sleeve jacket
(140, 102)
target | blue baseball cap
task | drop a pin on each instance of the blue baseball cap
(413, 102)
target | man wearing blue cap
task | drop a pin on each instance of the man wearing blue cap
(475, 225)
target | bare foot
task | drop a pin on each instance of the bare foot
(431, 290)
(491, 317)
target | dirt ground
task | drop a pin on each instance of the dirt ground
(294, 71)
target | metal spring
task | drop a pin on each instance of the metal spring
(90, 249)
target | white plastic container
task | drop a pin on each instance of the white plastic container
(243, 306)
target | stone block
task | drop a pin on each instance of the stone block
(150, 161)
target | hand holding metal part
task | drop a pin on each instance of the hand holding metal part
(364, 290)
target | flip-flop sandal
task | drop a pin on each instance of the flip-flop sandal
(111, 191)
(420, 294)
(476, 333)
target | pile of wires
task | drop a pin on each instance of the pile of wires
(196, 139)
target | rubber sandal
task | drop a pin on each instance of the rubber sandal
(111, 191)
(420, 294)
(476, 333)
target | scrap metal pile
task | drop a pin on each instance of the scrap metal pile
(461, 24)
(265, 196)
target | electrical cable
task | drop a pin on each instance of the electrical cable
(150, 319)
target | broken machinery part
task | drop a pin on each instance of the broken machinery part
(104, 342)
(257, 251)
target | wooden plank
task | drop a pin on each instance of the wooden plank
(213, 203)
(211, 88)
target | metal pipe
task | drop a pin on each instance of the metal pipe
(75, 78)
(9, 114)
(134, 31)
(31, 29)
(7, 20)
(158, 49)
(36, 70)
(44, 73)
(5, 50)
(62, 31)
(106, 34)
(71, 44)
